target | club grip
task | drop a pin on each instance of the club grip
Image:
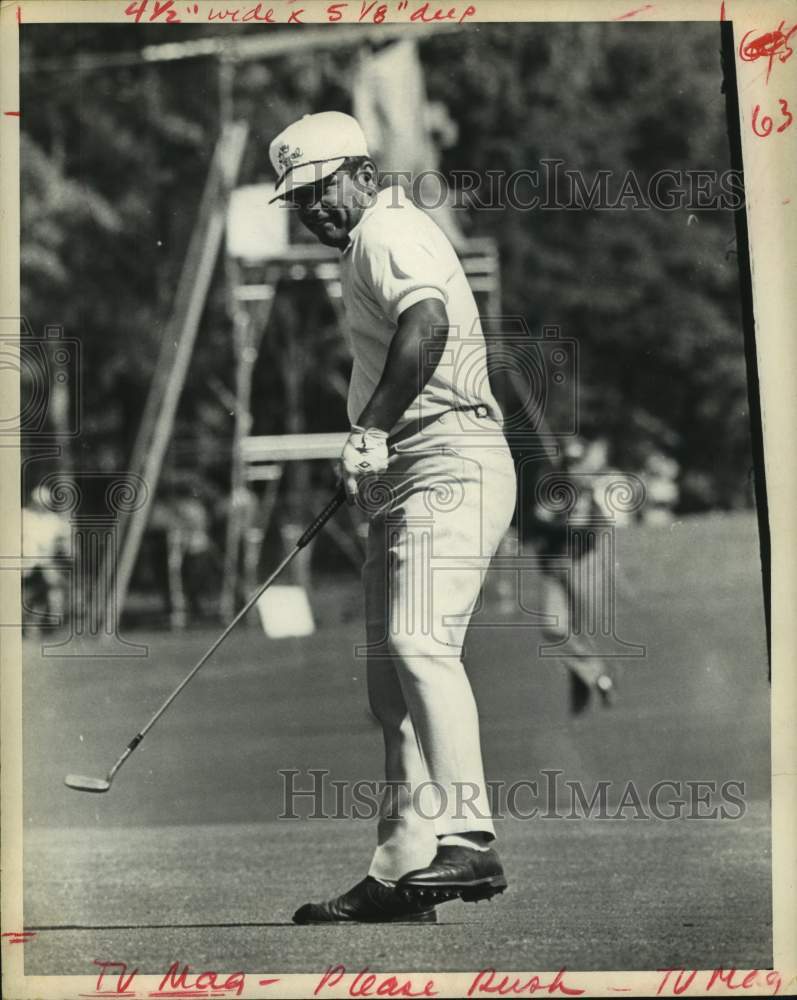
(337, 500)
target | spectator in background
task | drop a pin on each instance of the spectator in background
(46, 536)
(661, 485)
(588, 673)
(182, 520)
(190, 536)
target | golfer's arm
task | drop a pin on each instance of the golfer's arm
(412, 357)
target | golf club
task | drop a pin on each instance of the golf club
(82, 783)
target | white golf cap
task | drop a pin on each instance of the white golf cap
(313, 148)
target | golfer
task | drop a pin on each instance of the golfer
(427, 460)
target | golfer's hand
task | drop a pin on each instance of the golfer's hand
(364, 454)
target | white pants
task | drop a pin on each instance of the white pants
(427, 556)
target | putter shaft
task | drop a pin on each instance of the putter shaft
(91, 784)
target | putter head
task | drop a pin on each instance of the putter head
(83, 784)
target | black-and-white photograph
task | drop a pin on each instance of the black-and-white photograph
(394, 576)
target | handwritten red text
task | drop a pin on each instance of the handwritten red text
(770, 46)
(182, 981)
(118, 969)
(17, 937)
(427, 13)
(368, 984)
(285, 12)
(764, 126)
(490, 981)
(633, 13)
(160, 10)
(676, 981)
(236, 14)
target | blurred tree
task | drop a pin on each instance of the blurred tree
(650, 295)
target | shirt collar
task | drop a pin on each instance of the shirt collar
(393, 195)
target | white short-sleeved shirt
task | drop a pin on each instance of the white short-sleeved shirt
(398, 256)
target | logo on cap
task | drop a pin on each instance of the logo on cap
(287, 159)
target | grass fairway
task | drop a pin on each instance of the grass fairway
(185, 858)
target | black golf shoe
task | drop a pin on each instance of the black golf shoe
(368, 902)
(455, 873)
